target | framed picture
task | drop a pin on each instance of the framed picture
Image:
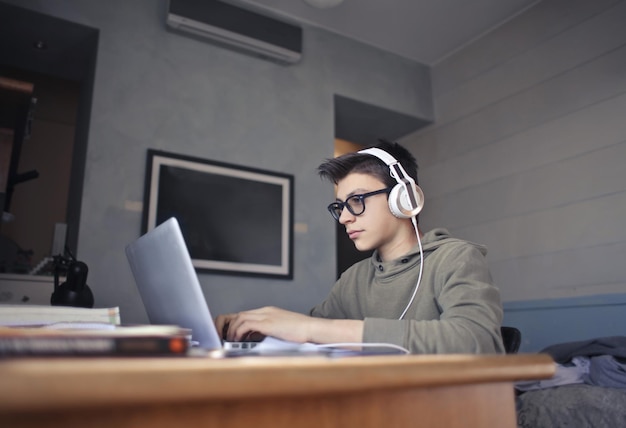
(235, 219)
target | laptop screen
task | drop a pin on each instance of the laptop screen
(168, 283)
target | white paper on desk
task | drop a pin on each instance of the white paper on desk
(79, 326)
(272, 344)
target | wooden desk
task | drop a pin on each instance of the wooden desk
(297, 392)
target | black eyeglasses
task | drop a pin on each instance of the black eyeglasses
(355, 203)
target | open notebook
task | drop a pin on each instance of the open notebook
(171, 293)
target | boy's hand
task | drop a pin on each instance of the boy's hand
(267, 321)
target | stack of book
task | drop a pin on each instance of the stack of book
(68, 331)
(39, 315)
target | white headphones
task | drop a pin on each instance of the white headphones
(406, 199)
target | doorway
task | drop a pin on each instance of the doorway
(58, 58)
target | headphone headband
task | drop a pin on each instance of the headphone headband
(380, 154)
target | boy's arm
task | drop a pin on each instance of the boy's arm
(293, 326)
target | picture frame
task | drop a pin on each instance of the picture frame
(235, 219)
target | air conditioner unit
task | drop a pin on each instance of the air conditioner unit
(237, 28)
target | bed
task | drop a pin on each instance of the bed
(588, 389)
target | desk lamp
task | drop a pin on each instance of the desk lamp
(74, 291)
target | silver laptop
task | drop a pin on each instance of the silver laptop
(169, 286)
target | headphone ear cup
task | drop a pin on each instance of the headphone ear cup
(400, 203)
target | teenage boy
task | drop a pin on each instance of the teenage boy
(429, 293)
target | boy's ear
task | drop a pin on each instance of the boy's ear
(404, 204)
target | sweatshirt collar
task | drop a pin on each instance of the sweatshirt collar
(431, 240)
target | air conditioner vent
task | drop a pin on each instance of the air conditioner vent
(238, 28)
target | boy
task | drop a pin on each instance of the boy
(428, 293)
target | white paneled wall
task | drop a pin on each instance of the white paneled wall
(528, 150)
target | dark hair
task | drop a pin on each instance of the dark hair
(336, 169)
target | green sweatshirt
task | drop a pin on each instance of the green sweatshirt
(457, 308)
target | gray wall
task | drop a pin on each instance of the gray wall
(528, 149)
(156, 89)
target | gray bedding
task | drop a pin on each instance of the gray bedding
(577, 405)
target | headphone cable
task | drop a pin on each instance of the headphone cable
(419, 277)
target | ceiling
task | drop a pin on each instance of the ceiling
(425, 31)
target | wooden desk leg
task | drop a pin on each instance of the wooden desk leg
(464, 406)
